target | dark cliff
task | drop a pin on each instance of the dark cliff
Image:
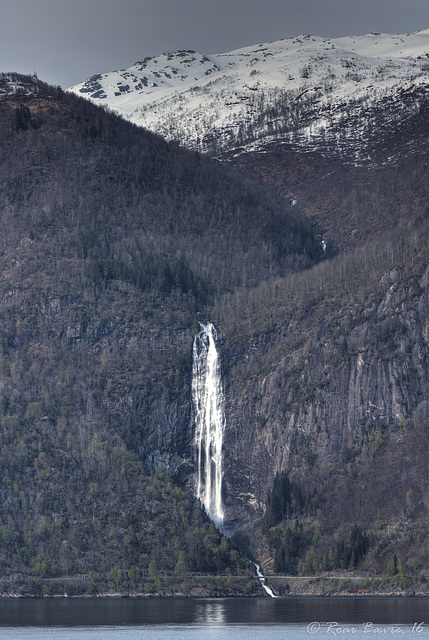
(327, 380)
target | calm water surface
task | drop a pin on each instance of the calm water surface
(215, 619)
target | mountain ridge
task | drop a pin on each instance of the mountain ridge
(297, 90)
(308, 116)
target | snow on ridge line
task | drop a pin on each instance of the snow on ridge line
(368, 45)
(210, 102)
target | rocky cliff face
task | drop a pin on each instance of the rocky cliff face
(331, 386)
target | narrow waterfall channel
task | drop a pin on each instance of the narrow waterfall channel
(261, 579)
(208, 402)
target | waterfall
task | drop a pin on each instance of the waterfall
(208, 400)
(261, 579)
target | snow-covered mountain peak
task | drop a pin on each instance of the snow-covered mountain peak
(295, 90)
(148, 77)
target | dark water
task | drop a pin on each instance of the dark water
(212, 612)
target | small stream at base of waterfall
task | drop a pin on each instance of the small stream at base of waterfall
(261, 579)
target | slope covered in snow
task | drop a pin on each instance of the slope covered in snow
(305, 91)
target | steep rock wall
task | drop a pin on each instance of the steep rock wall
(346, 381)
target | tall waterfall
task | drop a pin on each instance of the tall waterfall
(208, 400)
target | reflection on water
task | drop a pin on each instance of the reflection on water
(212, 612)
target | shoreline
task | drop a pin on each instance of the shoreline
(115, 596)
(220, 586)
(219, 596)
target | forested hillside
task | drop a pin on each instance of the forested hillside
(135, 208)
(113, 243)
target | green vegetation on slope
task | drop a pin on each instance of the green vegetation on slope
(112, 241)
(82, 501)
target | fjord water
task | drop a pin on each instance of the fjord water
(222, 619)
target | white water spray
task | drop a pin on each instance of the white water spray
(261, 579)
(208, 401)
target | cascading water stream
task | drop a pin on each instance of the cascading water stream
(208, 401)
(261, 579)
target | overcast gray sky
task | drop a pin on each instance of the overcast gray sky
(66, 41)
